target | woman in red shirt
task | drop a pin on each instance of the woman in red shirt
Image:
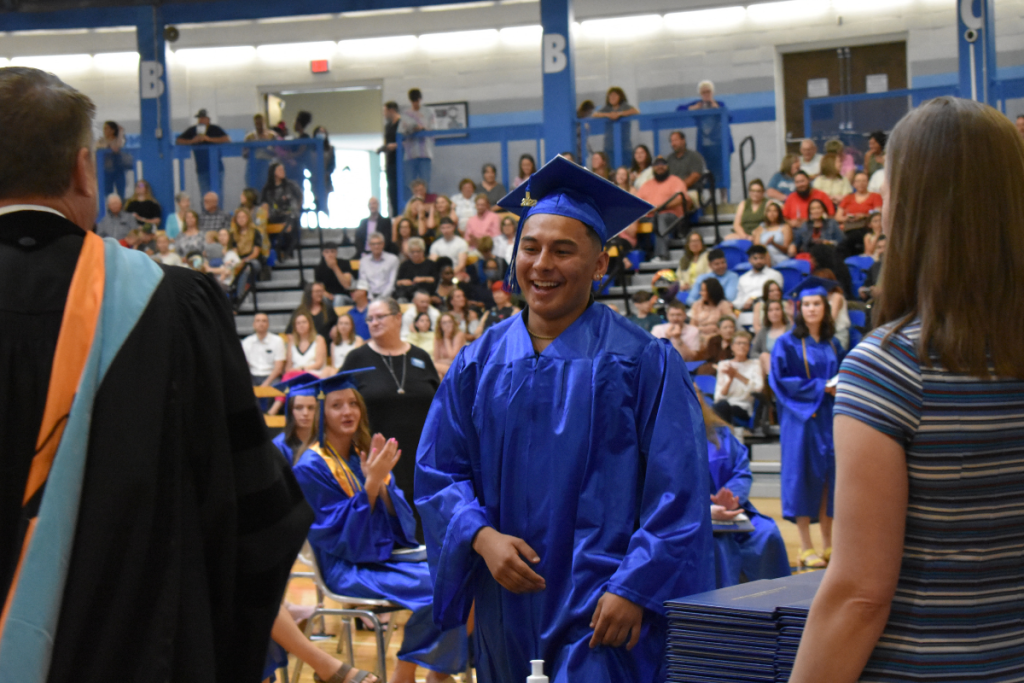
(854, 214)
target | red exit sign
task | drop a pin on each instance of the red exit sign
(319, 66)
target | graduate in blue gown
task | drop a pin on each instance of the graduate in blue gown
(803, 361)
(760, 554)
(300, 410)
(562, 472)
(362, 519)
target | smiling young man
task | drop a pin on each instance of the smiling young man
(562, 473)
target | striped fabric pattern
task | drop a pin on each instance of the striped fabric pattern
(958, 613)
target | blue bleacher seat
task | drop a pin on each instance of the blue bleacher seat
(859, 267)
(692, 365)
(858, 321)
(706, 383)
(636, 257)
(793, 272)
(735, 251)
(741, 268)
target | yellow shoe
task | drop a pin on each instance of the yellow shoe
(809, 559)
(827, 555)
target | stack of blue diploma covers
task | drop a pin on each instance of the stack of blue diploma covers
(745, 633)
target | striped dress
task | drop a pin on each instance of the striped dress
(958, 612)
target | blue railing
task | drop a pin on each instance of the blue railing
(852, 117)
(472, 136)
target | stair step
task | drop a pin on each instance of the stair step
(285, 279)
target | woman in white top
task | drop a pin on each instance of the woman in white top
(737, 382)
(176, 221)
(831, 181)
(448, 340)
(464, 204)
(774, 233)
(163, 253)
(343, 340)
(504, 242)
(421, 334)
(641, 171)
(307, 350)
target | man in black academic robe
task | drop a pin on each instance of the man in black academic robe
(189, 519)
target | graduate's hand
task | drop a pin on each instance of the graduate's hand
(720, 514)
(378, 463)
(616, 619)
(726, 499)
(504, 557)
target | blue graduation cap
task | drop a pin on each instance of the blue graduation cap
(295, 387)
(322, 387)
(562, 188)
(813, 286)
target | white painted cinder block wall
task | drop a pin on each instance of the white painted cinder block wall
(502, 74)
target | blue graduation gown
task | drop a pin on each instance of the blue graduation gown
(593, 452)
(353, 546)
(805, 421)
(286, 450)
(761, 554)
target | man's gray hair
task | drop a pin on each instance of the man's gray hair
(417, 243)
(46, 123)
(375, 236)
(114, 195)
(392, 304)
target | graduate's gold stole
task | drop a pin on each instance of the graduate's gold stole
(343, 474)
(77, 330)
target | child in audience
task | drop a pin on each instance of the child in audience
(164, 254)
(421, 334)
(642, 316)
(737, 382)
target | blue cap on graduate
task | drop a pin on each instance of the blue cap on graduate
(814, 286)
(322, 387)
(562, 188)
(295, 387)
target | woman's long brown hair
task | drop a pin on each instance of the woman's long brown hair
(955, 221)
(711, 419)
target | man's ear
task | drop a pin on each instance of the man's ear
(601, 267)
(83, 179)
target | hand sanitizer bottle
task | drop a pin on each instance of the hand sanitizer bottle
(538, 672)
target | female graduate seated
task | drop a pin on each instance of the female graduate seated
(760, 554)
(300, 409)
(361, 519)
(805, 363)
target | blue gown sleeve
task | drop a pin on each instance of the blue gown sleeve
(345, 527)
(447, 501)
(789, 381)
(731, 286)
(671, 554)
(741, 479)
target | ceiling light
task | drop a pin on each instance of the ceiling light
(281, 52)
(457, 5)
(458, 41)
(116, 61)
(295, 18)
(214, 57)
(377, 12)
(522, 36)
(789, 11)
(622, 27)
(706, 19)
(55, 63)
(858, 6)
(377, 47)
(114, 29)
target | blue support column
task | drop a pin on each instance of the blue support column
(977, 48)
(559, 78)
(154, 107)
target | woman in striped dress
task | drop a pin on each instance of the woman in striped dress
(926, 581)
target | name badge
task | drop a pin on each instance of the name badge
(417, 363)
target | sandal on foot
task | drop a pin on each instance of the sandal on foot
(827, 554)
(340, 674)
(809, 559)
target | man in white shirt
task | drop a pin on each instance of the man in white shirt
(685, 338)
(450, 245)
(420, 304)
(751, 283)
(264, 352)
(810, 160)
(378, 269)
(737, 382)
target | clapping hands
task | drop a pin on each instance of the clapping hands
(378, 463)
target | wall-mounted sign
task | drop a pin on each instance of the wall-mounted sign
(320, 66)
(450, 115)
(877, 83)
(817, 87)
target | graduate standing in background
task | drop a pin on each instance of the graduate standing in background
(760, 554)
(803, 361)
(562, 472)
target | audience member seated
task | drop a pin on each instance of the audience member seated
(874, 158)
(693, 263)
(115, 223)
(378, 269)
(442, 208)
(820, 228)
(484, 222)
(774, 323)
(283, 200)
(844, 158)
(249, 244)
(772, 292)
(446, 284)
(783, 183)
(668, 194)
(420, 304)
(504, 242)
(720, 272)
(421, 335)
(684, 337)
(145, 242)
(321, 311)
(643, 315)
(213, 217)
(711, 350)
(371, 224)
(760, 554)
(131, 240)
(751, 284)
(417, 212)
(264, 352)
(403, 233)
(872, 286)
(343, 339)
(490, 185)
(448, 340)
(335, 274)
(503, 308)
(711, 305)
(749, 213)
(620, 178)
(360, 302)
(144, 207)
(641, 169)
(450, 246)
(727, 330)
(837, 304)
(226, 267)
(458, 305)
(192, 239)
(163, 253)
(738, 380)
(810, 160)
(874, 234)
(527, 167)
(490, 267)
(306, 350)
(464, 203)
(774, 233)
(415, 273)
(854, 214)
(361, 519)
(686, 164)
(797, 207)
(831, 182)
(877, 180)
(827, 256)
(599, 164)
